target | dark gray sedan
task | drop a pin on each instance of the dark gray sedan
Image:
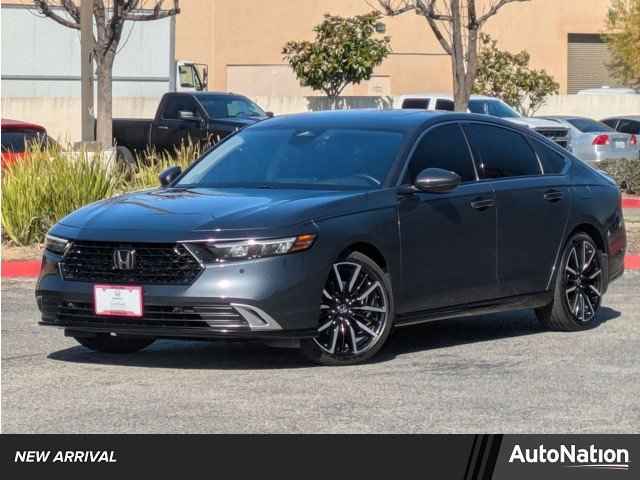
(327, 230)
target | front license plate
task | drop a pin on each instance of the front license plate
(117, 301)
(620, 145)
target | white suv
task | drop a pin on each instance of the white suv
(486, 106)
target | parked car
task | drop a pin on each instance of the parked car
(608, 91)
(486, 106)
(16, 137)
(625, 124)
(327, 229)
(199, 116)
(596, 142)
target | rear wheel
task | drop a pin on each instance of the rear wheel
(579, 286)
(356, 313)
(106, 343)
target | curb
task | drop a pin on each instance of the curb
(31, 268)
(628, 202)
(21, 268)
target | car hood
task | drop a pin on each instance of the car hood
(178, 214)
(536, 122)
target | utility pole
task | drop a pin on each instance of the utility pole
(86, 70)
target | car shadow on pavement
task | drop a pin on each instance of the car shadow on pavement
(227, 355)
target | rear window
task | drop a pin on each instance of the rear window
(492, 107)
(629, 126)
(17, 141)
(587, 125)
(552, 162)
(442, 104)
(418, 103)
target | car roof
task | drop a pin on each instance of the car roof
(444, 96)
(624, 117)
(10, 124)
(404, 120)
(215, 94)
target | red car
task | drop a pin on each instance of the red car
(15, 137)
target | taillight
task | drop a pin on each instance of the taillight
(601, 140)
(634, 139)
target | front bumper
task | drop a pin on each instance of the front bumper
(270, 298)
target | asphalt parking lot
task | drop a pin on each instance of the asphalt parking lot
(497, 373)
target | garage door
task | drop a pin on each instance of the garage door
(587, 65)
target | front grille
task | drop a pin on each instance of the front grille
(558, 135)
(217, 316)
(158, 264)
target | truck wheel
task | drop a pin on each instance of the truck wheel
(105, 343)
(125, 159)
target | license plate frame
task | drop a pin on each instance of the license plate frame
(118, 300)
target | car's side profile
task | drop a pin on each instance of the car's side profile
(327, 230)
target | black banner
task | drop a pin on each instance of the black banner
(464, 457)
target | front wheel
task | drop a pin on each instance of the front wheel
(106, 343)
(579, 285)
(356, 313)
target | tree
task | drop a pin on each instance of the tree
(456, 25)
(623, 23)
(344, 52)
(507, 76)
(109, 20)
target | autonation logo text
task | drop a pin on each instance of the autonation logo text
(574, 457)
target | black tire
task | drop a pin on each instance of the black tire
(575, 303)
(106, 343)
(373, 326)
(126, 160)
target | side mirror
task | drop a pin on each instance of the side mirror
(269, 114)
(167, 176)
(437, 180)
(187, 115)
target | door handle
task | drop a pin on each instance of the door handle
(163, 127)
(483, 204)
(553, 195)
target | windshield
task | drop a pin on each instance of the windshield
(495, 108)
(298, 158)
(230, 107)
(587, 125)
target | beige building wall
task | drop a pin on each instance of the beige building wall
(242, 40)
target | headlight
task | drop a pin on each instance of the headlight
(56, 244)
(217, 252)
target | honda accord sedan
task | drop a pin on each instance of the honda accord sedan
(327, 230)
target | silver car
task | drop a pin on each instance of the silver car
(595, 142)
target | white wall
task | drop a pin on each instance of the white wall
(61, 115)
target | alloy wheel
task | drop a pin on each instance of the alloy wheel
(583, 281)
(353, 312)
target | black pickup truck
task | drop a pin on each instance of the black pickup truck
(200, 116)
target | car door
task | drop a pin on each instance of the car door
(532, 208)
(448, 239)
(170, 130)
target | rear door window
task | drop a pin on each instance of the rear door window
(629, 126)
(612, 122)
(552, 162)
(442, 147)
(500, 152)
(418, 103)
(443, 104)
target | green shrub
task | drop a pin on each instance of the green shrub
(44, 186)
(152, 163)
(626, 173)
